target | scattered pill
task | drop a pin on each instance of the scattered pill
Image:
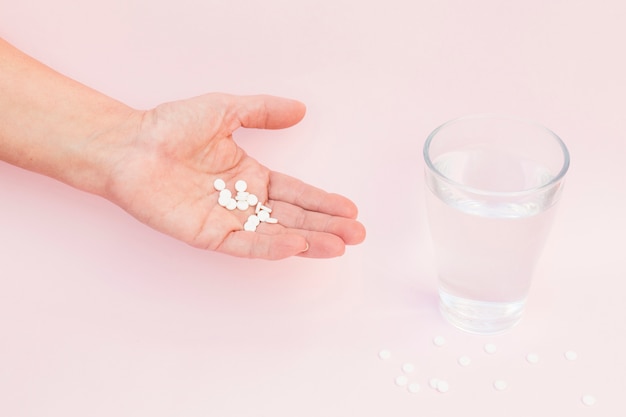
(439, 341)
(263, 215)
(242, 205)
(413, 387)
(219, 184)
(242, 196)
(490, 348)
(241, 185)
(464, 361)
(443, 386)
(223, 201)
(589, 400)
(243, 200)
(570, 355)
(433, 382)
(253, 200)
(232, 204)
(500, 385)
(384, 354)
(532, 358)
(224, 198)
(249, 227)
(402, 380)
(408, 368)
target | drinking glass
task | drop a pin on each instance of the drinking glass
(493, 182)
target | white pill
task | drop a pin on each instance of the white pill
(402, 380)
(532, 358)
(433, 382)
(490, 348)
(265, 208)
(242, 195)
(225, 193)
(219, 184)
(589, 400)
(271, 220)
(241, 185)
(243, 205)
(413, 387)
(252, 199)
(223, 201)
(263, 215)
(384, 354)
(439, 341)
(254, 220)
(570, 355)
(464, 361)
(500, 385)
(249, 227)
(408, 368)
(232, 204)
(443, 386)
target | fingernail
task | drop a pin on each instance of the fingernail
(307, 247)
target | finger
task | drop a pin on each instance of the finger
(350, 231)
(276, 242)
(268, 112)
(263, 246)
(291, 190)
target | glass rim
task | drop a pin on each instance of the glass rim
(554, 180)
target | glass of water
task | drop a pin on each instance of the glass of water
(492, 186)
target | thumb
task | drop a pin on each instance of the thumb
(268, 112)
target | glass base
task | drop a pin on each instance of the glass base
(480, 317)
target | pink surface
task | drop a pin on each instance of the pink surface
(101, 316)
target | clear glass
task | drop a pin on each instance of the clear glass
(492, 184)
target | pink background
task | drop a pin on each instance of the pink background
(101, 316)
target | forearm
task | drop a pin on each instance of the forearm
(56, 126)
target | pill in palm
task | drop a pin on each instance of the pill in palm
(241, 185)
(219, 184)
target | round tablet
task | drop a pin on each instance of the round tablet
(532, 358)
(231, 204)
(443, 386)
(439, 341)
(253, 219)
(570, 355)
(413, 388)
(384, 354)
(464, 361)
(249, 227)
(588, 400)
(500, 385)
(263, 215)
(223, 201)
(252, 199)
(408, 368)
(490, 348)
(241, 185)
(242, 195)
(219, 184)
(242, 205)
(401, 380)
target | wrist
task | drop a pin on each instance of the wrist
(96, 157)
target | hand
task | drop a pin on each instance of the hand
(164, 177)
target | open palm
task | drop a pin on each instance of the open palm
(165, 179)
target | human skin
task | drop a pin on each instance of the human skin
(159, 164)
